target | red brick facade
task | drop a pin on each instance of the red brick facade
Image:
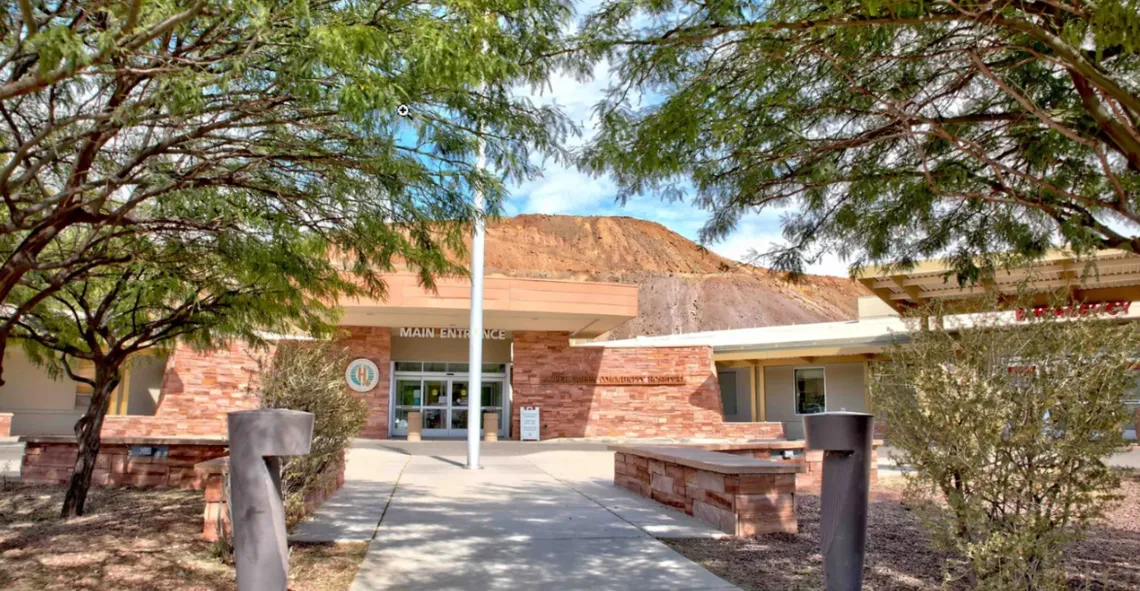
(198, 390)
(373, 343)
(692, 410)
(5, 424)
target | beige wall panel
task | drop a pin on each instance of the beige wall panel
(28, 387)
(145, 384)
(843, 385)
(437, 349)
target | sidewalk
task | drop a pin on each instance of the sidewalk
(352, 513)
(528, 520)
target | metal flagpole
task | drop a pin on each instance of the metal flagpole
(475, 347)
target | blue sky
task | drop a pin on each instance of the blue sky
(563, 190)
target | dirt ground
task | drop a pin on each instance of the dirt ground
(137, 540)
(899, 553)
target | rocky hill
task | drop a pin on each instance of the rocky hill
(684, 288)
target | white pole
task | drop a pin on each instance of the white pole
(475, 347)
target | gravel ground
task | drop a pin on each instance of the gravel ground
(136, 540)
(899, 553)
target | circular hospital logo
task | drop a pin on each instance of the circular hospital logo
(362, 375)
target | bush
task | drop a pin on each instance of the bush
(1007, 424)
(309, 376)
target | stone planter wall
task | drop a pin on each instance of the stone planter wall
(145, 462)
(739, 505)
(215, 517)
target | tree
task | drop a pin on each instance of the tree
(1007, 425)
(204, 120)
(204, 297)
(892, 131)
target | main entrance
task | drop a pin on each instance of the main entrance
(440, 391)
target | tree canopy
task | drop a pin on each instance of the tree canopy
(892, 130)
(215, 121)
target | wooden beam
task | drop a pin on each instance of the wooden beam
(752, 394)
(763, 393)
(866, 388)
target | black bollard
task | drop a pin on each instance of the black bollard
(846, 441)
(257, 439)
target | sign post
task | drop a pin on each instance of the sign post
(846, 441)
(529, 423)
(475, 346)
(257, 440)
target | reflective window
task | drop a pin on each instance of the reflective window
(408, 392)
(458, 367)
(409, 366)
(435, 366)
(494, 368)
(492, 394)
(810, 395)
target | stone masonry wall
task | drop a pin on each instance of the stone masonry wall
(737, 504)
(692, 410)
(373, 343)
(198, 390)
(53, 463)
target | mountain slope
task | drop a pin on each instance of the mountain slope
(684, 288)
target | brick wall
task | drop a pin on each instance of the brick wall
(52, 462)
(373, 343)
(5, 424)
(198, 390)
(692, 410)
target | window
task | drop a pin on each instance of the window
(727, 392)
(810, 395)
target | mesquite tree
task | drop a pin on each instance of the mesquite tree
(201, 120)
(891, 130)
(170, 294)
(1008, 421)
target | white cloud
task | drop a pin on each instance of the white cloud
(563, 190)
(761, 233)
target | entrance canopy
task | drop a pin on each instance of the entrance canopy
(1111, 275)
(583, 309)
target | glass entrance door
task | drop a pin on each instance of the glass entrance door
(435, 408)
(443, 401)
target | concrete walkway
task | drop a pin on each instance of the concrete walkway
(534, 517)
(352, 513)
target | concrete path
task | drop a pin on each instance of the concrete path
(352, 513)
(532, 518)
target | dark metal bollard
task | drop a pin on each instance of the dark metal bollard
(846, 441)
(257, 439)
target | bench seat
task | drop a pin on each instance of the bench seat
(737, 494)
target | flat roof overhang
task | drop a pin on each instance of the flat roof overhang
(583, 309)
(1110, 275)
(798, 352)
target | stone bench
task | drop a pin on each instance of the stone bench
(738, 495)
(809, 479)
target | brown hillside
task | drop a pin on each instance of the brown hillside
(684, 288)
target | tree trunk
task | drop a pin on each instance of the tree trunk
(87, 439)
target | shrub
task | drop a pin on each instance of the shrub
(1007, 424)
(309, 376)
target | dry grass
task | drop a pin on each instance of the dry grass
(899, 553)
(134, 540)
